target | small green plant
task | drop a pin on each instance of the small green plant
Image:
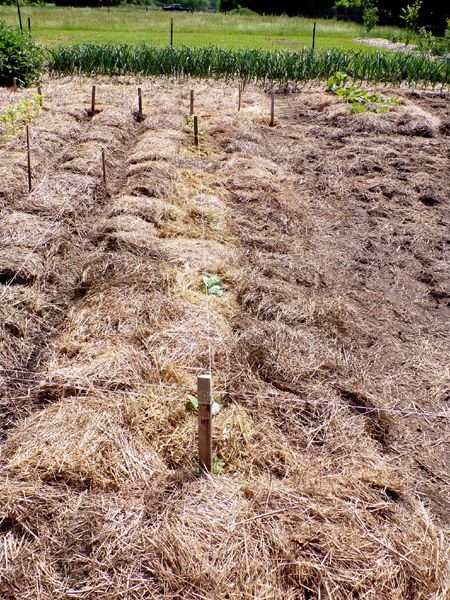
(212, 285)
(218, 465)
(16, 116)
(192, 405)
(361, 100)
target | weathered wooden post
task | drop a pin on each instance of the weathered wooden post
(272, 109)
(191, 108)
(93, 100)
(196, 130)
(28, 158)
(204, 423)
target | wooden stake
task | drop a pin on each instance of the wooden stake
(28, 158)
(140, 102)
(29, 24)
(15, 84)
(314, 37)
(240, 97)
(20, 16)
(104, 167)
(93, 100)
(196, 130)
(204, 423)
(171, 33)
(41, 98)
(272, 110)
(191, 110)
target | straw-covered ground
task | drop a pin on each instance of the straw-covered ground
(328, 347)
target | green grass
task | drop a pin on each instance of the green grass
(52, 26)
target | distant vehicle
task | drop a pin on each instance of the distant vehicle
(177, 7)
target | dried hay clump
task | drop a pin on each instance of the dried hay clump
(81, 442)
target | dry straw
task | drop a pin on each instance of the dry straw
(327, 349)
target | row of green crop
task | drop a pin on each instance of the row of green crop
(267, 66)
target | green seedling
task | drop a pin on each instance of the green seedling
(192, 405)
(212, 285)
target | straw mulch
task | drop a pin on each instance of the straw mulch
(328, 232)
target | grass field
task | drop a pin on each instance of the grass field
(52, 26)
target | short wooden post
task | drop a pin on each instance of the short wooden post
(93, 100)
(140, 102)
(15, 84)
(240, 97)
(29, 24)
(191, 109)
(41, 98)
(28, 158)
(272, 109)
(171, 33)
(104, 167)
(196, 130)
(314, 37)
(204, 423)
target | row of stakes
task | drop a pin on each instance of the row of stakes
(204, 382)
(139, 116)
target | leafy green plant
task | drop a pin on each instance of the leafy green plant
(20, 57)
(18, 115)
(192, 405)
(218, 465)
(212, 285)
(360, 99)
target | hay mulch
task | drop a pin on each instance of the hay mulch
(328, 232)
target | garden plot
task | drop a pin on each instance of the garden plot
(327, 346)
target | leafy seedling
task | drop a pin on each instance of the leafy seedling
(192, 405)
(218, 465)
(212, 285)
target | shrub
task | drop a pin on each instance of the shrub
(370, 17)
(20, 57)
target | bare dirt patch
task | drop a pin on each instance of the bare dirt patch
(328, 347)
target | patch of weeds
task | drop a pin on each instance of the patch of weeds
(360, 99)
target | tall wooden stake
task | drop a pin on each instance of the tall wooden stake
(191, 109)
(240, 97)
(196, 130)
(15, 84)
(104, 167)
(20, 16)
(314, 37)
(272, 110)
(140, 102)
(204, 423)
(28, 158)
(93, 100)
(171, 33)
(29, 24)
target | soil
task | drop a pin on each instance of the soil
(328, 347)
